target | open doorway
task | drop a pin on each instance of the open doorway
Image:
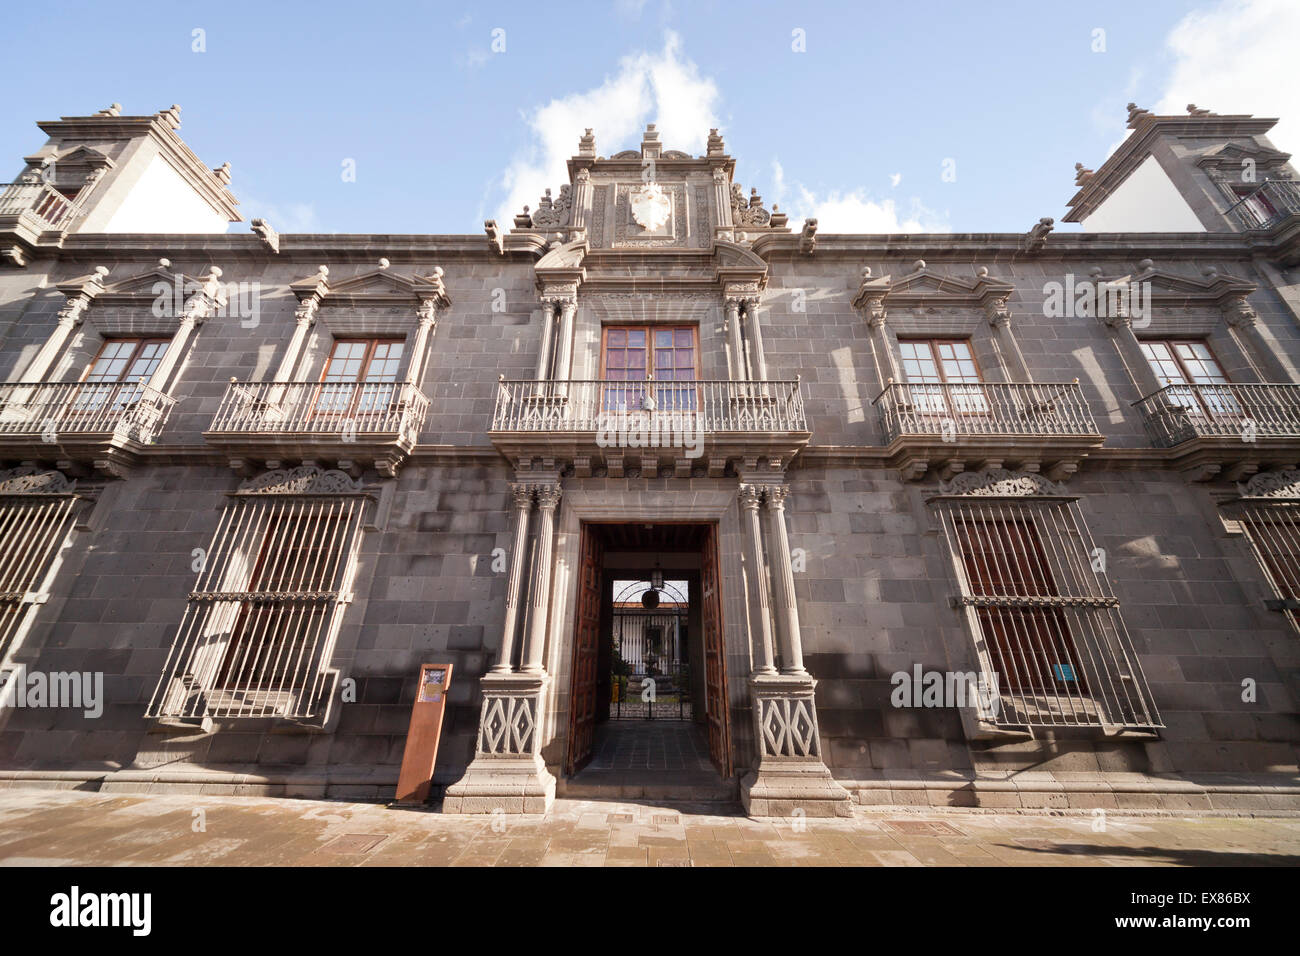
(648, 693)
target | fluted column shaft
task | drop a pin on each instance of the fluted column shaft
(749, 499)
(739, 369)
(427, 316)
(757, 361)
(69, 318)
(783, 581)
(548, 333)
(175, 349)
(548, 498)
(305, 318)
(523, 496)
(564, 348)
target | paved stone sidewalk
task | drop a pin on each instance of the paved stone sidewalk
(47, 827)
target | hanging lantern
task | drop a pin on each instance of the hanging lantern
(650, 600)
(657, 579)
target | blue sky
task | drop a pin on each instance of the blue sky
(445, 132)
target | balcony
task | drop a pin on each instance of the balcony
(648, 428)
(1225, 428)
(949, 426)
(29, 210)
(103, 423)
(349, 422)
(1273, 202)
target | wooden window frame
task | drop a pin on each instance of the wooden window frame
(1229, 408)
(378, 408)
(616, 398)
(974, 398)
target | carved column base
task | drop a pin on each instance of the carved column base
(507, 772)
(791, 778)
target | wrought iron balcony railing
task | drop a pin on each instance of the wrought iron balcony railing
(54, 412)
(599, 405)
(983, 410)
(39, 199)
(1273, 201)
(324, 409)
(1179, 413)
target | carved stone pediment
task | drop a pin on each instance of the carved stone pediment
(380, 286)
(1272, 484)
(303, 480)
(926, 287)
(33, 481)
(1000, 483)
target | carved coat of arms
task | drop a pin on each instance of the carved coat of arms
(650, 206)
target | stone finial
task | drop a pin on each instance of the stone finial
(1192, 110)
(99, 273)
(1210, 272)
(1136, 113)
(982, 271)
(524, 220)
(323, 272)
(384, 264)
(587, 144)
(114, 110)
(1146, 265)
(222, 173)
(650, 131)
(1095, 271)
(1082, 174)
(866, 273)
(171, 116)
(716, 147)
(164, 263)
(918, 265)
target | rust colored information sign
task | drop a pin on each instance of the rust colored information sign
(422, 737)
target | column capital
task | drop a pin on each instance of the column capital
(305, 314)
(1239, 313)
(548, 497)
(427, 313)
(750, 495)
(995, 309)
(522, 492)
(776, 495)
(874, 306)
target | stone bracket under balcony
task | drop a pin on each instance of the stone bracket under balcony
(80, 427)
(951, 428)
(1225, 432)
(649, 429)
(357, 425)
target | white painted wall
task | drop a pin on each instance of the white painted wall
(161, 201)
(1147, 201)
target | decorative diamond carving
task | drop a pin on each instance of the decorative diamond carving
(789, 727)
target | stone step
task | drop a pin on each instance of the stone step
(621, 785)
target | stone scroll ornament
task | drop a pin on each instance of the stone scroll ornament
(748, 212)
(303, 480)
(32, 481)
(1272, 484)
(1000, 482)
(552, 214)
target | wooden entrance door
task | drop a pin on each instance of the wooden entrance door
(715, 663)
(586, 652)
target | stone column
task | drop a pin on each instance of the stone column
(304, 317)
(581, 200)
(523, 496)
(1243, 322)
(739, 366)
(69, 318)
(548, 498)
(757, 361)
(749, 499)
(1130, 350)
(175, 349)
(1004, 340)
(548, 333)
(426, 319)
(787, 610)
(722, 197)
(564, 347)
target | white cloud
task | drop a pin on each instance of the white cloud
(856, 211)
(662, 88)
(895, 179)
(1235, 58)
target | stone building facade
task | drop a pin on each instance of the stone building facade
(980, 519)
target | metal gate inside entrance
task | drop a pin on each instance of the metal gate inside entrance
(648, 660)
(651, 672)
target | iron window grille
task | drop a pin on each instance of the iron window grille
(1043, 616)
(1272, 526)
(33, 527)
(259, 627)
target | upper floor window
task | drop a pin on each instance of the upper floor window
(126, 360)
(948, 367)
(1193, 376)
(117, 376)
(359, 376)
(649, 354)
